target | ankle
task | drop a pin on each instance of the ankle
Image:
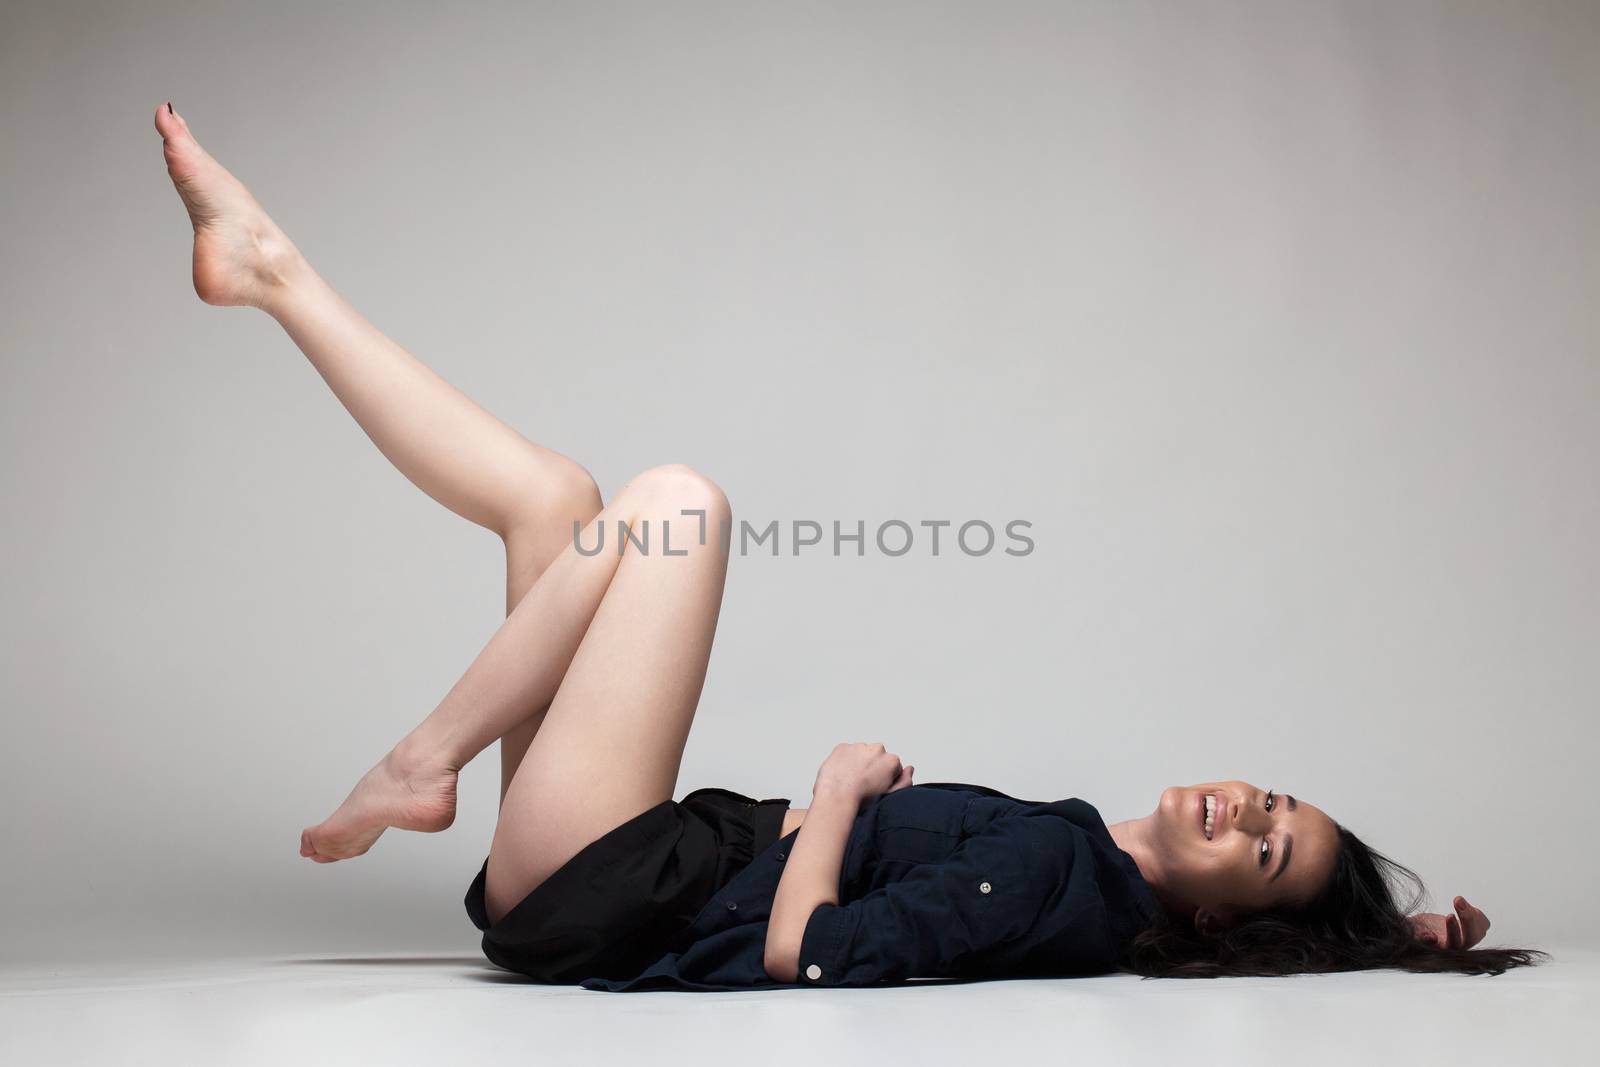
(419, 754)
(281, 273)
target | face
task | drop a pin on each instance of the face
(1260, 850)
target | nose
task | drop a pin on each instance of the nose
(1248, 816)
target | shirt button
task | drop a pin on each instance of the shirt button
(984, 887)
(733, 905)
(813, 972)
(780, 855)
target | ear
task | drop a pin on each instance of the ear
(1209, 923)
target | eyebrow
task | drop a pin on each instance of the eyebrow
(1288, 847)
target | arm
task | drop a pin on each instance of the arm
(851, 773)
(947, 918)
(811, 878)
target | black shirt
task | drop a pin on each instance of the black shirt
(939, 880)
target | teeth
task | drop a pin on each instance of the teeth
(1211, 812)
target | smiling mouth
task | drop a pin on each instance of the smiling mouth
(1208, 814)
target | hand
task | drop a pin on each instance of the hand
(861, 770)
(1462, 930)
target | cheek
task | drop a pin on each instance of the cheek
(1167, 825)
(1217, 875)
(1190, 863)
(1167, 805)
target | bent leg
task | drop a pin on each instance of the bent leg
(529, 553)
(613, 738)
(522, 667)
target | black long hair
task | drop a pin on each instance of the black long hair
(1356, 923)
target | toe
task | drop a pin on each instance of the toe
(169, 124)
(183, 151)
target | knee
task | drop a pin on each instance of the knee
(577, 495)
(676, 486)
(562, 493)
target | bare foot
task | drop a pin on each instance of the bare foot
(400, 792)
(240, 254)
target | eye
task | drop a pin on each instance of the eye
(1266, 851)
(1271, 801)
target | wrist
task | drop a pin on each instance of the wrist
(829, 795)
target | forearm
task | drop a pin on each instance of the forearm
(810, 877)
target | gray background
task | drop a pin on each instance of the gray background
(1276, 320)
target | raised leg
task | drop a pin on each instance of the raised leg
(447, 445)
(441, 440)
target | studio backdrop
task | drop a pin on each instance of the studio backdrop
(1269, 328)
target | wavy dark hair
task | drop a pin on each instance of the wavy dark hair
(1356, 923)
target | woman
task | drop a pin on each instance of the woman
(596, 875)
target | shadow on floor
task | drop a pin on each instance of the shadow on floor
(386, 961)
(479, 969)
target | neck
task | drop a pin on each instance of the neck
(1133, 836)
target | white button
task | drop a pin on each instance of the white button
(985, 887)
(813, 972)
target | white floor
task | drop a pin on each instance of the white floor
(454, 1009)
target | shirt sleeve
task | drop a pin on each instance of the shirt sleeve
(940, 917)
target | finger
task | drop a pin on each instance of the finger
(1474, 923)
(1464, 916)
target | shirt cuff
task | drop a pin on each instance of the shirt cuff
(821, 945)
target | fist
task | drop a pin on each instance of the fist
(861, 770)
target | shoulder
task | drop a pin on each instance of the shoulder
(1065, 847)
(1116, 877)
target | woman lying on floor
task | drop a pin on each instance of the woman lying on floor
(596, 875)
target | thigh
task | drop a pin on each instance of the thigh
(612, 739)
